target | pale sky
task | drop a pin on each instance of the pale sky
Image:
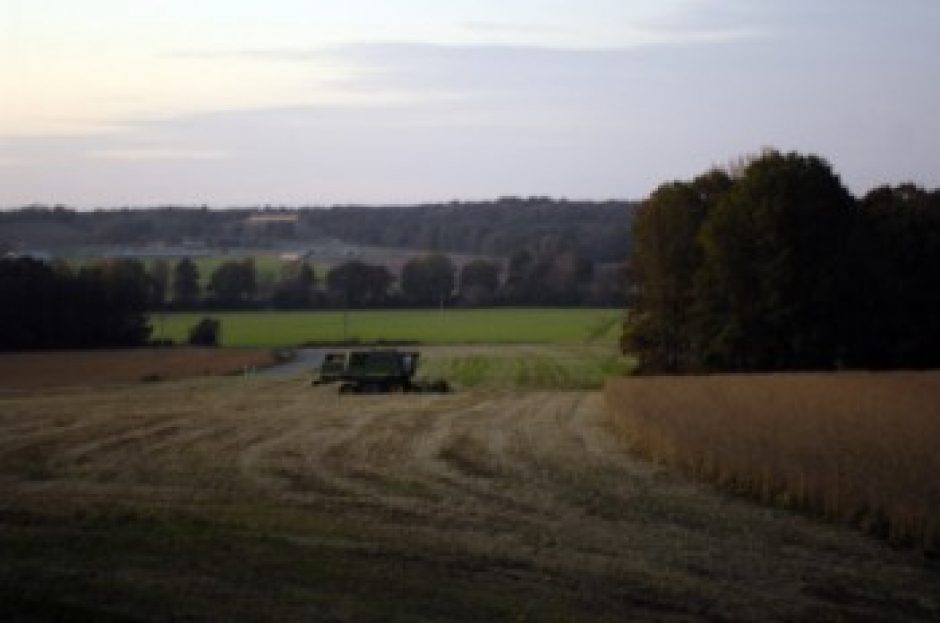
(106, 103)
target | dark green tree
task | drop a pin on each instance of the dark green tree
(666, 256)
(186, 290)
(206, 332)
(101, 306)
(357, 284)
(233, 284)
(296, 289)
(428, 280)
(159, 283)
(128, 290)
(899, 248)
(777, 269)
(479, 282)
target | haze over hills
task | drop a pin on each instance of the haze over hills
(595, 230)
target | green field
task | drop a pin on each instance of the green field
(452, 326)
(269, 267)
(524, 367)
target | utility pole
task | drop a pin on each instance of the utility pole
(346, 316)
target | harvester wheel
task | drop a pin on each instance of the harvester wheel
(440, 386)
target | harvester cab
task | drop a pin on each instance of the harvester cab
(375, 371)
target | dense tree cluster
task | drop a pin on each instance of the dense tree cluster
(539, 251)
(595, 231)
(54, 307)
(777, 267)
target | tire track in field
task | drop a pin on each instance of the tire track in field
(517, 480)
(537, 479)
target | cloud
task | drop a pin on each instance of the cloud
(156, 153)
(506, 27)
(12, 161)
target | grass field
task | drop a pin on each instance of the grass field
(558, 367)
(861, 448)
(452, 326)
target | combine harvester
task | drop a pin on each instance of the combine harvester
(376, 372)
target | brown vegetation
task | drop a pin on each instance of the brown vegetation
(862, 448)
(37, 370)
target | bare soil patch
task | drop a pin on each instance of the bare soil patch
(38, 370)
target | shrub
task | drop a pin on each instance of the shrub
(206, 332)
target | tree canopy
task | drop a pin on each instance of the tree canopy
(428, 280)
(46, 307)
(778, 267)
(357, 284)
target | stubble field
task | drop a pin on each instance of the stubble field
(263, 498)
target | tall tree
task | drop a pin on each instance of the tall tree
(777, 268)
(186, 290)
(899, 247)
(665, 257)
(357, 284)
(233, 284)
(295, 290)
(428, 280)
(159, 282)
(479, 281)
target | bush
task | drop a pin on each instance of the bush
(206, 332)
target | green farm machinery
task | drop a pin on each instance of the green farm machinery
(376, 371)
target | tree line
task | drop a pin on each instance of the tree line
(47, 306)
(774, 265)
(594, 230)
(547, 276)
(53, 305)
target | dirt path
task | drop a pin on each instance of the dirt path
(528, 494)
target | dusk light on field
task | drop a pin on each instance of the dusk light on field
(109, 103)
(475, 310)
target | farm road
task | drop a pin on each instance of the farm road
(305, 360)
(524, 499)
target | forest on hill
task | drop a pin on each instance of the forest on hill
(596, 231)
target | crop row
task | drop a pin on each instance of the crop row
(859, 448)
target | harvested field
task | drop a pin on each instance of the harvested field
(37, 370)
(262, 498)
(860, 448)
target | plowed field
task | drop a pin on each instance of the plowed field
(267, 499)
(33, 370)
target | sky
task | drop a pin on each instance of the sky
(110, 103)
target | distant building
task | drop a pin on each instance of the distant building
(279, 218)
(276, 224)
